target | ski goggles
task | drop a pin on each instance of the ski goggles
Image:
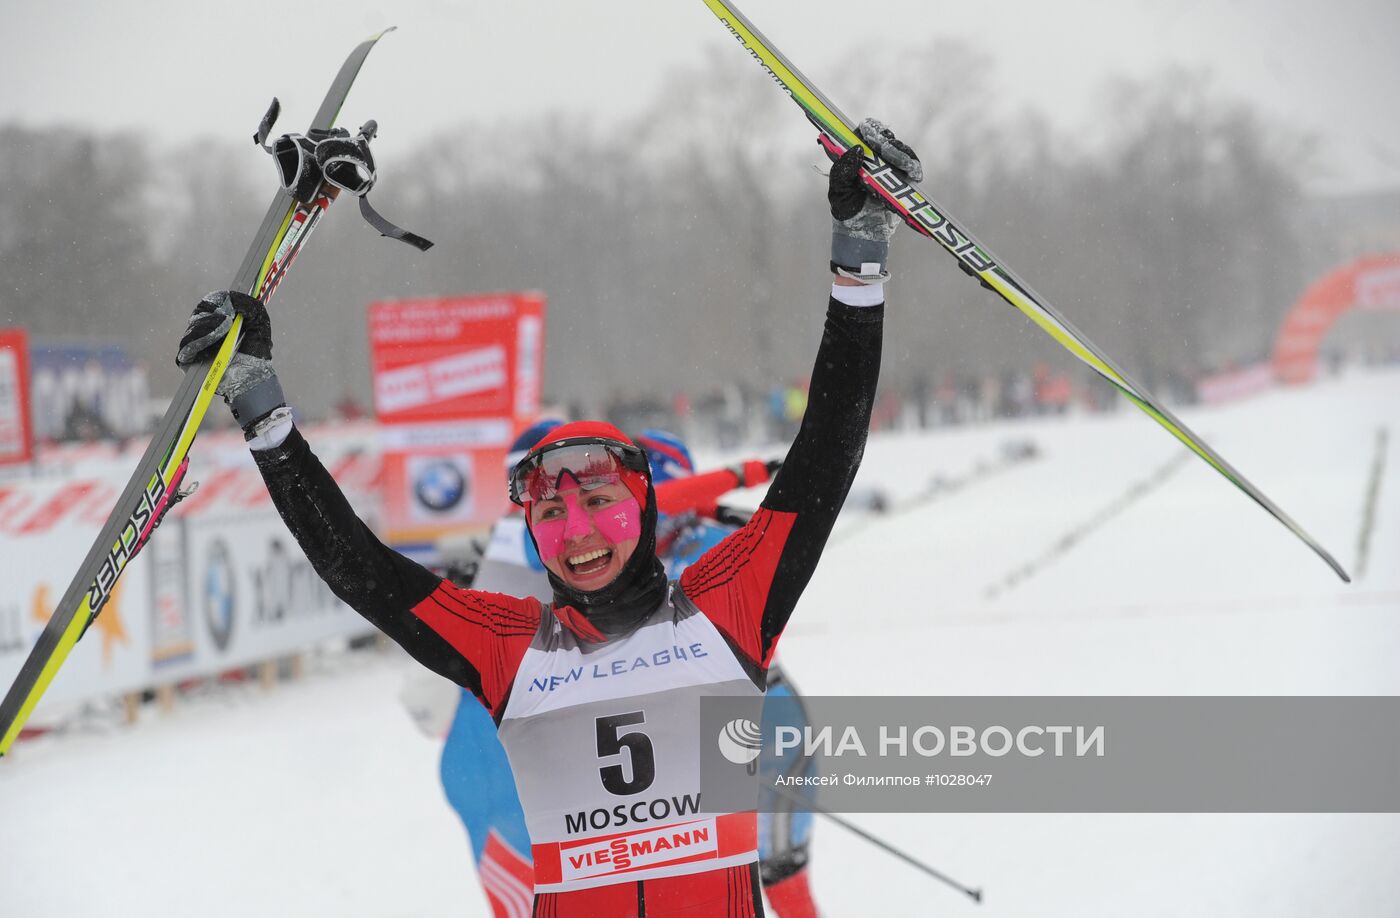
(589, 462)
(332, 156)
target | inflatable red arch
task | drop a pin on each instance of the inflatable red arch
(1371, 284)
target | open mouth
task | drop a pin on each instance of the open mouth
(589, 562)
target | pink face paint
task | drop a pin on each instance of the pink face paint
(620, 521)
(549, 538)
(615, 523)
(550, 535)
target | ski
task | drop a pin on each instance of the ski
(155, 485)
(837, 135)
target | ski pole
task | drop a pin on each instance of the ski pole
(974, 894)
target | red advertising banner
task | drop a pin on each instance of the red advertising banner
(16, 432)
(454, 378)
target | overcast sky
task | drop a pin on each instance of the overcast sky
(180, 68)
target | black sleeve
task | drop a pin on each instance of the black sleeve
(823, 459)
(749, 583)
(367, 575)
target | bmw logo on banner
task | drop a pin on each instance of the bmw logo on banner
(441, 486)
(220, 599)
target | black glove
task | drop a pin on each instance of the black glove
(211, 320)
(862, 223)
(249, 385)
(754, 472)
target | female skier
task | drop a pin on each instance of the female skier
(475, 771)
(596, 694)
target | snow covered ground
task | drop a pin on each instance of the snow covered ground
(321, 798)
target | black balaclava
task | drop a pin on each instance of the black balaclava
(635, 593)
(640, 587)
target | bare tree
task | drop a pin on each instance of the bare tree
(686, 247)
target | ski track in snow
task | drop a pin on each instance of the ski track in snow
(322, 798)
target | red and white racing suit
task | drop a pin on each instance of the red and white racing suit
(603, 731)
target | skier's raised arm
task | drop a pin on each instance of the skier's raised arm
(462, 635)
(766, 564)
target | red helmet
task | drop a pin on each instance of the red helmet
(585, 451)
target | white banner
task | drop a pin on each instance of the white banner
(252, 595)
(222, 583)
(112, 657)
(434, 435)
